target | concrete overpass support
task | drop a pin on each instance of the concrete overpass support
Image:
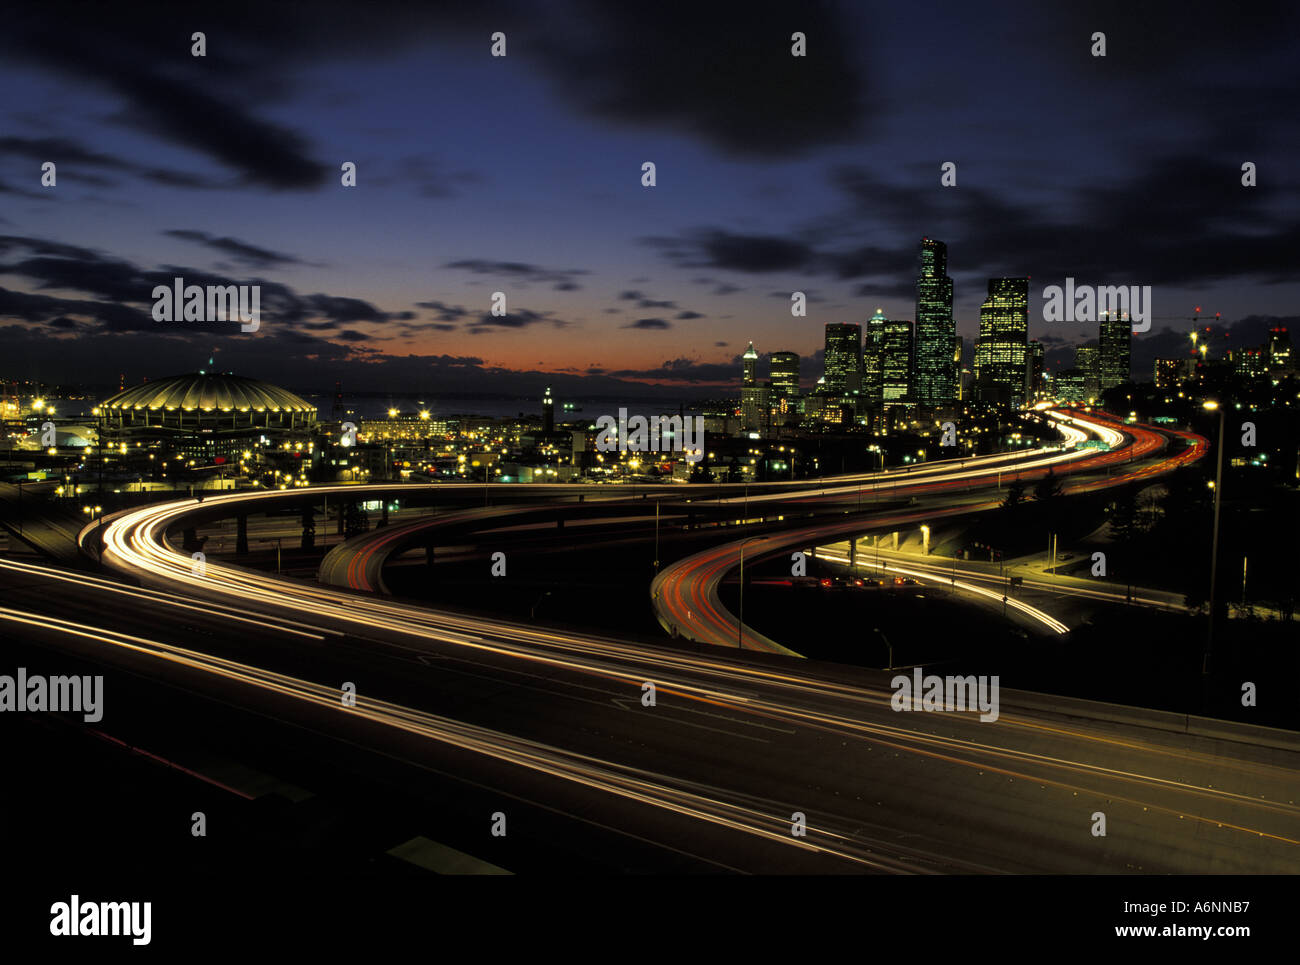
(241, 534)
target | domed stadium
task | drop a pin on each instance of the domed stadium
(205, 416)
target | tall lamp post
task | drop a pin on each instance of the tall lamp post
(740, 623)
(1214, 544)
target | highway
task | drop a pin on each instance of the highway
(711, 776)
(685, 594)
(359, 563)
(732, 748)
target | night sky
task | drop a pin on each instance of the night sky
(523, 174)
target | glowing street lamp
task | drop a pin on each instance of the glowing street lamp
(1214, 544)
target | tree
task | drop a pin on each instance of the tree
(1125, 525)
(1048, 488)
(1013, 504)
(1015, 497)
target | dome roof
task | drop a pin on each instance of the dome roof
(209, 393)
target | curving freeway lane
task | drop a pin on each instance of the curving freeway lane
(685, 595)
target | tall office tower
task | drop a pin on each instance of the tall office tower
(843, 359)
(785, 376)
(1115, 340)
(873, 358)
(936, 378)
(753, 397)
(896, 366)
(548, 412)
(1003, 343)
(1087, 359)
(1249, 364)
(1037, 356)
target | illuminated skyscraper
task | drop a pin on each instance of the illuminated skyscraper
(548, 412)
(1000, 356)
(1087, 359)
(843, 359)
(1115, 341)
(896, 367)
(1037, 357)
(1249, 364)
(873, 359)
(785, 376)
(753, 396)
(936, 377)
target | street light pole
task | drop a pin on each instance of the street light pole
(1214, 545)
(890, 646)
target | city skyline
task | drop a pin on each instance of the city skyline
(611, 284)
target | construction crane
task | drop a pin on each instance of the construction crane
(1197, 331)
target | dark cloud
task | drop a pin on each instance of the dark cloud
(811, 296)
(72, 158)
(518, 270)
(719, 248)
(904, 288)
(241, 251)
(640, 64)
(123, 292)
(46, 308)
(645, 301)
(210, 105)
(445, 312)
(1198, 225)
(682, 370)
(24, 193)
(517, 319)
(684, 316)
(649, 323)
